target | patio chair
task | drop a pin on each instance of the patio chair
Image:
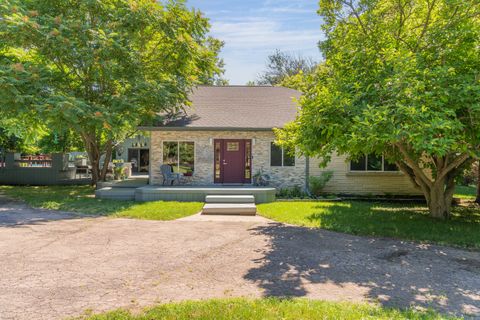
(169, 177)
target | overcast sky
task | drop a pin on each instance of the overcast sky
(252, 29)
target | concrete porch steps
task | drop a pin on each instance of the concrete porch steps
(230, 198)
(230, 204)
(247, 209)
(115, 193)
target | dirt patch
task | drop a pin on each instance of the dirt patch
(394, 255)
(470, 264)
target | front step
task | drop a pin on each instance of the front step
(248, 209)
(115, 193)
(230, 199)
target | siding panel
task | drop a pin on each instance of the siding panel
(362, 183)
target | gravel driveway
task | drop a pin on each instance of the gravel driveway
(54, 265)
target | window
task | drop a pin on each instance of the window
(180, 155)
(372, 162)
(280, 157)
(233, 146)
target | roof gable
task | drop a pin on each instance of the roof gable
(236, 107)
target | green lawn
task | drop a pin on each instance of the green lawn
(271, 308)
(81, 199)
(466, 192)
(403, 221)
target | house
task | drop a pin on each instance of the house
(226, 137)
(136, 150)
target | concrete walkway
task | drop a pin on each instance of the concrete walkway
(53, 265)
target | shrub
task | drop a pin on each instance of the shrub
(289, 193)
(317, 183)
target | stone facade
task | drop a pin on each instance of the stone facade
(280, 177)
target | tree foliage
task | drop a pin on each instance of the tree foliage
(100, 67)
(400, 78)
(282, 65)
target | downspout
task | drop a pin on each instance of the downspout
(307, 176)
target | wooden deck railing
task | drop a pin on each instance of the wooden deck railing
(38, 170)
(33, 163)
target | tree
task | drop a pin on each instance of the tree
(400, 78)
(215, 78)
(9, 142)
(101, 68)
(281, 65)
(59, 141)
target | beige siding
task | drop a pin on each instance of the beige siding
(281, 177)
(362, 183)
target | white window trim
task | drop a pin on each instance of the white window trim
(283, 152)
(178, 153)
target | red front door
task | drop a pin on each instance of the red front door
(232, 161)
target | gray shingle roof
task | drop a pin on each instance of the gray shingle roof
(237, 107)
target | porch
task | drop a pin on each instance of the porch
(184, 193)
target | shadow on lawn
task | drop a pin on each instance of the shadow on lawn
(405, 221)
(397, 274)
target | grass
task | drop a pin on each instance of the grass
(81, 199)
(465, 192)
(260, 309)
(402, 221)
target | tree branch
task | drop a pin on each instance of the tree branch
(457, 162)
(357, 16)
(426, 24)
(412, 164)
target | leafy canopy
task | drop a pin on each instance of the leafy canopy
(395, 73)
(107, 64)
(400, 78)
(101, 67)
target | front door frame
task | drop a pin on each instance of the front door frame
(219, 160)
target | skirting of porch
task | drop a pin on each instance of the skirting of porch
(198, 193)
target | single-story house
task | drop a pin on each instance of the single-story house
(226, 136)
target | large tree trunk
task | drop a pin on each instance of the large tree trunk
(440, 197)
(99, 173)
(106, 160)
(438, 188)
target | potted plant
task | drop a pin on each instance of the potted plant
(119, 173)
(261, 179)
(118, 163)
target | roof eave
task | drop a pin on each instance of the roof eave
(153, 128)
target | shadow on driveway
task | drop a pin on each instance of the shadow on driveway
(299, 260)
(17, 214)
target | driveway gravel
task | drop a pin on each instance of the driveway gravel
(55, 265)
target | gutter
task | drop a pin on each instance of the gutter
(201, 129)
(307, 176)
